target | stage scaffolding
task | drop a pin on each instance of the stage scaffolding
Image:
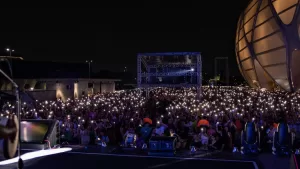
(173, 69)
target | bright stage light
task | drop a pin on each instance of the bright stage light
(35, 154)
(192, 69)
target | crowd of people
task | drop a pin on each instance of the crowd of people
(130, 118)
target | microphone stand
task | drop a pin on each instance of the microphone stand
(18, 101)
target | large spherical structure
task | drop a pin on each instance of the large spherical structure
(268, 44)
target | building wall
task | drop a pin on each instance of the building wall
(42, 94)
(107, 87)
(65, 89)
(97, 87)
(82, 88)
(51, 85)
(61, 88)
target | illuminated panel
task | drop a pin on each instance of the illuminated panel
(268, 43)
(285, 9)
(249, 21)
(272, 57)
(33, 132)
(287, 16)
(244, 54)
(265, 29)
(263, 78)
(265, 44)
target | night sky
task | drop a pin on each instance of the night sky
(113, 37)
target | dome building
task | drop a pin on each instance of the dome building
(268, 44)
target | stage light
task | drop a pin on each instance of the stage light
(35, 154)
(192, 69)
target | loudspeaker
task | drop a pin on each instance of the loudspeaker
(39, 134)
(8, 147)
(162, 145)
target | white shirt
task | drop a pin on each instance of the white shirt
(204, 139)
(160, 130)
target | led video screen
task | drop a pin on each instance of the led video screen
(33, 132)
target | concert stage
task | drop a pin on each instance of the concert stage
(94, 158)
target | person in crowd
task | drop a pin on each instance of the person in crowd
(85, 137)
(102, 139)
(140, 142)
(211, 132)
(182, 132)
(204, 138)
(160, 128)
(217, 143)
(232, 133)
(196, 141)
(146, 130)
(130, 137)
(76, 135)
(178, 141)
(223, 109)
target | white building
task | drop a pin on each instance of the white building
(51, 80)
(48, 89)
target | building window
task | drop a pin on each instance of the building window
(90, 85)
(68, 87)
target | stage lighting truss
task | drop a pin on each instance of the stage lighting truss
(153, 67)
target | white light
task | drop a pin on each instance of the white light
(35, 154)
(7, 49)
(192, 69)
(31, 88)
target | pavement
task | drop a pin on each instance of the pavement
(96, 157)
(78, 160)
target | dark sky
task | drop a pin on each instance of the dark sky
(112, 37)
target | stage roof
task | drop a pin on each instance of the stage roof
(170, 58)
